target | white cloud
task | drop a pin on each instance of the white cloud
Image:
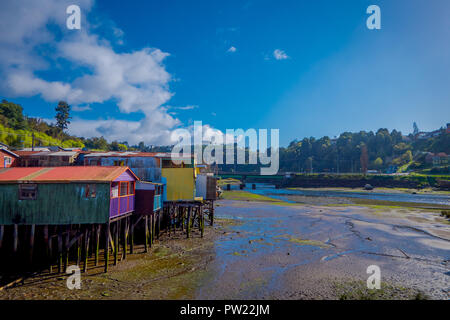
(189, 107)
(232, 49)
(137, 80)
(280, 54)
(81, 108)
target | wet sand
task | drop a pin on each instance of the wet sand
(276, 250)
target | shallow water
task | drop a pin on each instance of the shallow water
(271, 191)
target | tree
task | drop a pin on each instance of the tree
(364, 158)
(11, 115)
(415, 129)
(62, 115)
(378, 162)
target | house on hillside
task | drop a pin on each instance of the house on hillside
(146, 165)
(8, 158)
(47, 158)
(41, 148)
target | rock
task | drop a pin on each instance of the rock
(368, 187)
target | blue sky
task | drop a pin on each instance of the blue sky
(215, 61)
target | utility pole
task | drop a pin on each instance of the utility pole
(32, 141)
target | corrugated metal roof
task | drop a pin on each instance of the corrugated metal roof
(55, 154)
(26, 153)
(9, 152)
(121, 154)
(130, 154)
(62, 174)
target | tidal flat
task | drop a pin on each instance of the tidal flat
(271, 249)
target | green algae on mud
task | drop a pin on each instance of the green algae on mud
(239, 195)
(357, 290)
(245, 196)
(303, 242)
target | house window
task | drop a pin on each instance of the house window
(8, 161)
(91, 191)
(95, 162)
(120, 163)
(123, 188)
(114, 190)
(27, 191)
(130, 187)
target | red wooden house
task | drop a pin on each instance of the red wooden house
(8, 158)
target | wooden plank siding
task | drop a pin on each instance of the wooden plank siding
(55, 203)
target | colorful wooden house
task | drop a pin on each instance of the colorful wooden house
(149, 197)
(180, 174)
(146, 165)
(65, 195)
(47, 158)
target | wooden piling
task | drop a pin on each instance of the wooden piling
(32, 233)
(125, 238)
(15, 237)
(202, 221)
(132, 237)
(86, 248)
(159, 223)
(66, 248)
(107, 236)
(79, 251)
(60, 253)
(188, 222)
(97, 242)
(151, 230)
(116, 242)
(211, 213)
(146, 234)
(2, 233)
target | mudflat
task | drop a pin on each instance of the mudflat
(276, 250)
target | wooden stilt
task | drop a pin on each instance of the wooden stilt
(79, 250)
(125, 238)
(97, 242)
(66, 248)
(151, 229)
(2, 233)
(188, 222)
(32, 233)
(116, 242)
(159, 223)
(50, 252)
(132, 237)
(15, 238)
(202, 221)
(211, 213)
(146, 234)
(107, 236)
(154, 226)
(60, 253)
(86, 248)
(45, 232)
